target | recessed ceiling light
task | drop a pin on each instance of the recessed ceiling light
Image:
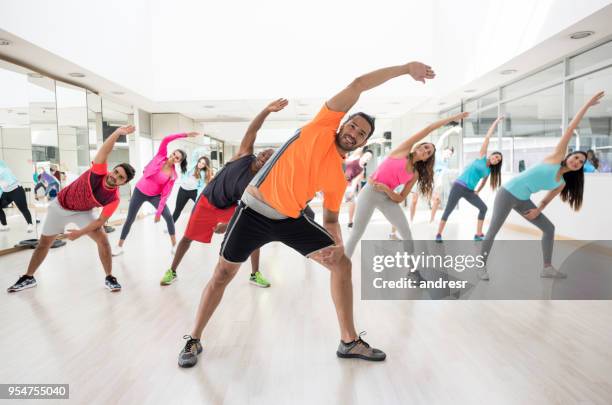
(34, 75)
(76, 74)
(118, 93)
(581, 34)
(209, 106)
(5, 42)
(470, 91)
(508, 72)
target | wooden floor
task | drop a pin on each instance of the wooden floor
(277, 345)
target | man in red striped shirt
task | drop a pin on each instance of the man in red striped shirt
(97, 187)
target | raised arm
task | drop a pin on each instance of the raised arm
(248, 141)
(561, 148)
(485, 143)
(405, 147)
(343, 101)
(107, 146)
(163, 146)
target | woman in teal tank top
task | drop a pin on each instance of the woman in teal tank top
(464, 187)
(561, 174)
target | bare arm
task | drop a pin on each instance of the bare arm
(535, 212)
(107, 146)
(405, 147)
(561, 148)
(330, 222)
(343, 101)
(248, 141)
(393, 196)
(485, 143)
(77, 233)
(483, 182)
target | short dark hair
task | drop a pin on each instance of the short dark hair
(130, 172)
(366, 117)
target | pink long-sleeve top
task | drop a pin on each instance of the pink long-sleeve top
(154, 181)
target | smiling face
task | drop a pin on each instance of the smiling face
(202, 163)
(575, 161)
(494, 159)
(353, 134)
(261, 159)
(423, 151)
(176, 157)
(116, 178)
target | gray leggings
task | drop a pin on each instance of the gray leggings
(459, 191)
(370, 199)
(138, 198)
(504, 203)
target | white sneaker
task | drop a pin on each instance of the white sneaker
(394, 236)
(483, 274)
(5, 228)
(117, 251)
(551, 272)
(30, 228)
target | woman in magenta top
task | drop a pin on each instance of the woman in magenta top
(155, 186)
(406, 165)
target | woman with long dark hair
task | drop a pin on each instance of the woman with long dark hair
(409, 164)
(465, 186)
(193, 182)
(155, 186)
(558, 173)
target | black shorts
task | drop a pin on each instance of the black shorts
(248, 230)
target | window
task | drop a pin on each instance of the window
(524, 85)
(594, 132)
(590, 57)
(534, 123)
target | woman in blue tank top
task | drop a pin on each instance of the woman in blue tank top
(465, 186)
(558, 173)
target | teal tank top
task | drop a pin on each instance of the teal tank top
(474, 172)
(539, 177)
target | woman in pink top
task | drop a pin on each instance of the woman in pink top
(155, 186)
(406, 165)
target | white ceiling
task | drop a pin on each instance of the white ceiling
(184, 55)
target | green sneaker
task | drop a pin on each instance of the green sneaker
(259, 280)
(168, 278)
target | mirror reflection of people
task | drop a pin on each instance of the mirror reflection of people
(354, 172)
(12, 192)
(38, 181)
(75, 204)
(592, 163)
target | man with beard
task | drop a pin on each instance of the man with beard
(217, 203)
(97, 187)
(272, 209)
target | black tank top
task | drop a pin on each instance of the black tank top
(226, 188)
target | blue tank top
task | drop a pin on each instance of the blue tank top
(474, 172)
(542, 176)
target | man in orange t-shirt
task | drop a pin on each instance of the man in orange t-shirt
(272, 208)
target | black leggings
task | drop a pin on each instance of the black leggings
(181, 200)
(18, 196)
(39, 185)
(138, 198)
(457, 192)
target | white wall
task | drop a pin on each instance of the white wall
(16, 151)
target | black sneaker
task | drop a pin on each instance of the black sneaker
(359, 349)
(23, 283)
(350, 224)
(188, 357)
(108, 229)
(112, 284)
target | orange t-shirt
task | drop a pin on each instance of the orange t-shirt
(309, 164)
